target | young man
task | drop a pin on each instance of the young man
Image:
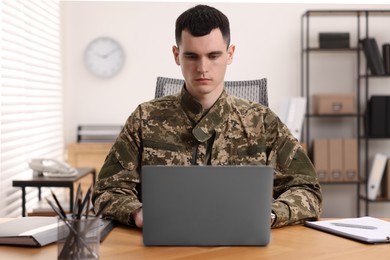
(204, 125)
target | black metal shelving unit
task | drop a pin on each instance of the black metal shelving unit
(362, 80)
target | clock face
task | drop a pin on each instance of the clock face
(104, 57)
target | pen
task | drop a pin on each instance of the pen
(353, 225)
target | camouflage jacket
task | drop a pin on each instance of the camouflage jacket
(174, 130)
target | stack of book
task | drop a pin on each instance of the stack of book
(98, 133)
(373, 56)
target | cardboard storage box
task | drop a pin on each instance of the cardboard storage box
(350, 147)
(336, 160)
(321, 159)
(325, 104)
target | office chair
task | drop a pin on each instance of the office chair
(254, 90)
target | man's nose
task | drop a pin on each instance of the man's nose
(203, 65)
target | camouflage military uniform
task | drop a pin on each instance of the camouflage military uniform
(174, 130)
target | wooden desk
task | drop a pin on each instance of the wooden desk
(296, 242)
(41, 181)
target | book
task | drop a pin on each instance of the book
(39, 231)
(386, 57)
(29, 231)
(373, 56)
(376, 174)
(377, 116)
(385, 185)
(364, 229)
(387, 117)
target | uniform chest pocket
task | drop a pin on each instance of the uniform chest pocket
(163, 153)
(253, 154)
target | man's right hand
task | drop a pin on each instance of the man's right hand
(138, 218)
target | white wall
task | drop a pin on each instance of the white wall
(267, 39)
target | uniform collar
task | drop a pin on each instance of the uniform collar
(205, 122)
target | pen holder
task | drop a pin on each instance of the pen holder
(79, 238)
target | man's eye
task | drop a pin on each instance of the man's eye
(214, 56)
(191, 57)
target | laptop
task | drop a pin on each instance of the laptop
(207, 205)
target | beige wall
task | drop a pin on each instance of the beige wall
(267, 39)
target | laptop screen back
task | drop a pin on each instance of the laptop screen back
(206, 205)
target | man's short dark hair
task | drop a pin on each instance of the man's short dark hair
(200, 21)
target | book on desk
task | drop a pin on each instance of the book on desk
(38, 231)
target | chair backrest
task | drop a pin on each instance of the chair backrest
(254, 90)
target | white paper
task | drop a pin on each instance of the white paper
(380, 234)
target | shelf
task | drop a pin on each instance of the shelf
(342, 183)
(334, 115)
(347, 50)
(345, 12)
(356, 120)
(375, 76)
(377, 200)
(375, 137)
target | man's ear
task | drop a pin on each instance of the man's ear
(176, 52)
(230, 51)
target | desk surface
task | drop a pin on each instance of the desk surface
(295, 242)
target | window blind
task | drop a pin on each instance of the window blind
(31, 120)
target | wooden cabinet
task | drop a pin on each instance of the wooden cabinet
(88, 154)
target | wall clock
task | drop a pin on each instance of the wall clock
(104, 57)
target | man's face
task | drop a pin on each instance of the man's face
(203, 61)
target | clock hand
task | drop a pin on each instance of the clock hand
(110, 52)
(98, 54)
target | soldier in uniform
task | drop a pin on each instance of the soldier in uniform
(203, 125)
